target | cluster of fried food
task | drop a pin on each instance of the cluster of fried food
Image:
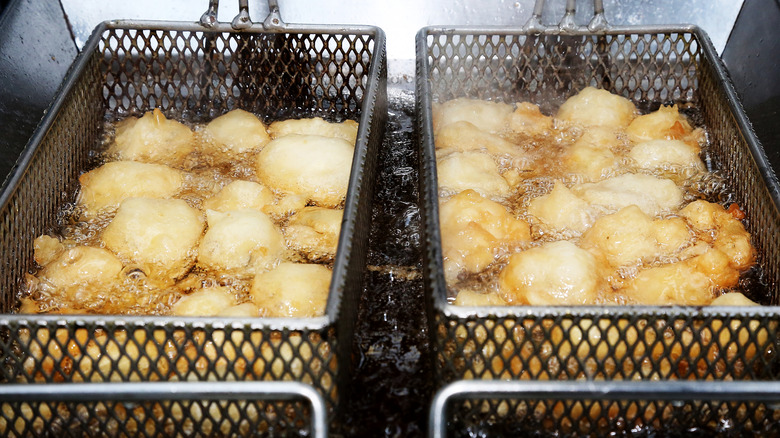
(594, 205)
(229, 218)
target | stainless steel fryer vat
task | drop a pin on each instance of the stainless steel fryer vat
(194, 72)
(651, 66)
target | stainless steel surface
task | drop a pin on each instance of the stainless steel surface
(753, 52)
(752, 56)
(36, 49)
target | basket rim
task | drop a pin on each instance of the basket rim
(134, 392)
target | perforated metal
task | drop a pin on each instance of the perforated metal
(165, 409)
(743, 166)
(181, 418)
(546, 69)
(613, 410)
(122, 351)
(651, 67)
(609, 345)
(200, 75)
(191, 75)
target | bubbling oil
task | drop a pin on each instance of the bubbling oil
(134, 292)
(545, 158)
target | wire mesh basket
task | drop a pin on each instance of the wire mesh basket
(472, 408)
(194, 72)
(162, 409)
(651, 66)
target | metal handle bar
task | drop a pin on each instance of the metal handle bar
(567, 24)
(243, 21)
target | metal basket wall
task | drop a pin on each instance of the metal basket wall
(193, 74)
(651, 66)
(162, 409)
(729, 409)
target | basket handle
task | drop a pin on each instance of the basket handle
(243, 21)
(274, 18)
(599, 21)
(209, 18)
(567, 24)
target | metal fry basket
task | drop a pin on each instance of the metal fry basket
(651, 66)
(194, 72)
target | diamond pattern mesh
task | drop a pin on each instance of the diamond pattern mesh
(607, 417)
(601, 343)
(154, 418)
(617, 346)
(194, 76)
(199, 75)
(547, 69)
(56, 351)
